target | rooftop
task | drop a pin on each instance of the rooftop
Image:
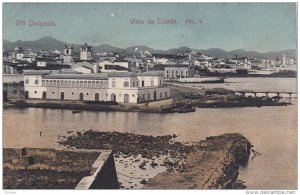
(77, 76)
(37, 72)
(150, 73)
(177, 66)
(123, 74)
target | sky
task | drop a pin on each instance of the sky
(258, 27)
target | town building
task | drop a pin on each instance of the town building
(85, 52)
(178, 71)
(68, 54)
(116, 87)
(84, 67)
(124, 64)
(44, 62)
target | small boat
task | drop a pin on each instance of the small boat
(76, 111)
(186, 110)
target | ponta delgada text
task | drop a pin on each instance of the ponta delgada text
(34, 23)
(41, 23)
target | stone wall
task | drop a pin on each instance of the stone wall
(13, 91)
(43, 168)
(103, 174)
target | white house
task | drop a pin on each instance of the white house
(124, 64)
(178, 71)
(160, 60)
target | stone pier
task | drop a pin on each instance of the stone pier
(213, 165)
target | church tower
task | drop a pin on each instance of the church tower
(68, 54)
(86, 52)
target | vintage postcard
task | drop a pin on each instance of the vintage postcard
(150, 96)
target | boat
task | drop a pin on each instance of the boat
(186, 110)
(262, 72)
(76, 111)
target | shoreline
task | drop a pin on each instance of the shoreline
(182, 103)
(141, 159)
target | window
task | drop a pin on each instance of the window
(35, 92)
(148, 96)
(26, 81)
(152, 83)
(160, 95)
(166, 94)
(133, 84)
(36, 81)
(43, 83)
(126, 84)
(143, 83)
(113, 84)
(160, 82)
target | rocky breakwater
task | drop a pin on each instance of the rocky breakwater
(137, 157)
(213, 164)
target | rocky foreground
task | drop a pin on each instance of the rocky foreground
(214, 165)
(128, 143)
(163, 163)
(137, 157)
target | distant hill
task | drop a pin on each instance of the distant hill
(51, 44)
(45, 43)
(140, 48)
(183, 49)
(106, 48)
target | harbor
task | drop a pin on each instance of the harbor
(248, 121)
(48, 128)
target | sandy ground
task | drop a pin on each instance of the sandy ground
(130, 174)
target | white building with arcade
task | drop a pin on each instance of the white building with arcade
(117, 87)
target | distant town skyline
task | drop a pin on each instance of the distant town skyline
(260, 27)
